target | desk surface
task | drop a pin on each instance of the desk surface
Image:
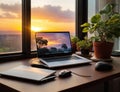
(72, 83)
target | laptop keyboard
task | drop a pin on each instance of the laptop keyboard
(53, 59)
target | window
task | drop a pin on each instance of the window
(52, 15)
(19, 19)
(10, 26)
(91, 8)
(117, 41)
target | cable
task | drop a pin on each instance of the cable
(81, 75)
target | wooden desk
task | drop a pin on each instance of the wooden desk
(72, 84)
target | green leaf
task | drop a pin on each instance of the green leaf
(85, 25)
(107, 9)
(86, 29)
(96, 18)
(74, 39)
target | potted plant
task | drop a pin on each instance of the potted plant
(105, 25)
(84, 46)
(74, 40)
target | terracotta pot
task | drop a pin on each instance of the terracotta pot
(102, 50)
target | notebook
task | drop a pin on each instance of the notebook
(29, 73)
(54, 49)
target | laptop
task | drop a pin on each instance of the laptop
(54, 50)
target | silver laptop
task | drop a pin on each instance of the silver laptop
(54, 49)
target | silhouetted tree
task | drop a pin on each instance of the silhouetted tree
(40, 42)
(64, 46)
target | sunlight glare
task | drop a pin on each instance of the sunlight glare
(36, 29)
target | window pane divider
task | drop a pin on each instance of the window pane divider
(26, 28)
(81, 16)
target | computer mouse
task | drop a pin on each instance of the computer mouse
(103, 66)
(64, 73)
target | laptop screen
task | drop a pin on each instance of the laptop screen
(53, 43)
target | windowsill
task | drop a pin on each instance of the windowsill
(18, 56)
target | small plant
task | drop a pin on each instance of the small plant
(84, 44)
(74, 39)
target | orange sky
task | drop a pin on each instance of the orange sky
(10, 24)
(49, 17)
(53, 26)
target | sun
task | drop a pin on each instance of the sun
(36, 29)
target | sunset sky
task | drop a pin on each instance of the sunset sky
(55, 39)
(49, 15)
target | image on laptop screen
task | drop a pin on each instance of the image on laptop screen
(53, 43)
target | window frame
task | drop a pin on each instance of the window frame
(81, 10)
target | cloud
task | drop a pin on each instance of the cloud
(15, 8)
(53, 13)
(7, 15)
(48, 12)
(10, 11)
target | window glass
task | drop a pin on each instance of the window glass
(52, 15)
(10, 26)
(117, 40)
(91, 8)
(91, 11)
